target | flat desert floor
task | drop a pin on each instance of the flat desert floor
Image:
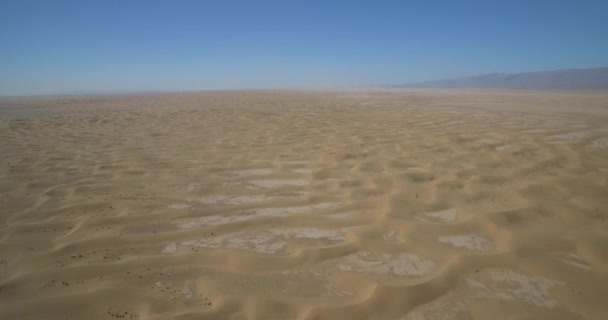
(402, 205)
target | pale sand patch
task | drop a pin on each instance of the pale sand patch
(402, 264)
(170, 248)
(249, 215)
(481, 142)
(179, 206)
(574, 260)
(190, 186)
(218, 200)
(571, 136)
(503, 147)
(260, 242)
(493, 284)
(467, 241)
(295, 162)
(601, 143)
(390, 235)
(254, 172)
(195, 186)
(302, 170)
(576, 136)
(513, 286)
(271, 241)
(228, 200)
(443, 216)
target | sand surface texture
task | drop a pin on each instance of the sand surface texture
(293, 205)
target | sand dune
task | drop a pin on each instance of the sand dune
(295, 205)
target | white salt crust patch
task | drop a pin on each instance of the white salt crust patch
(295, 162)
(179, 206)
(571, 136)
(224, 200)
(512, 286)
(237, 200)
(503, 147)
(574, 260)
(482, 142)
(189, 186)
(390, 235)
(601, 143)
(249, 215)
(443, 216)
(495, 284)
(170, 248)
(577, 136)
(270, 241)
(467, 241)
(194, 186)
(402, 264)
(275, 183)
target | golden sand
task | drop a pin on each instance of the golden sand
(305, 205)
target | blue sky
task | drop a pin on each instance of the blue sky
(51, 47)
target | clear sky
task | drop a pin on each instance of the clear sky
(80, 46)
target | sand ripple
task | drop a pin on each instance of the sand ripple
(295, 205)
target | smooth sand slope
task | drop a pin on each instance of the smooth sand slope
(291, 205)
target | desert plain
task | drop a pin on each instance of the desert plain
(368, 204)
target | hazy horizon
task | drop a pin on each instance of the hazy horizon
(88, 47)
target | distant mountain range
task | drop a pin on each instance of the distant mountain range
(571, 79)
